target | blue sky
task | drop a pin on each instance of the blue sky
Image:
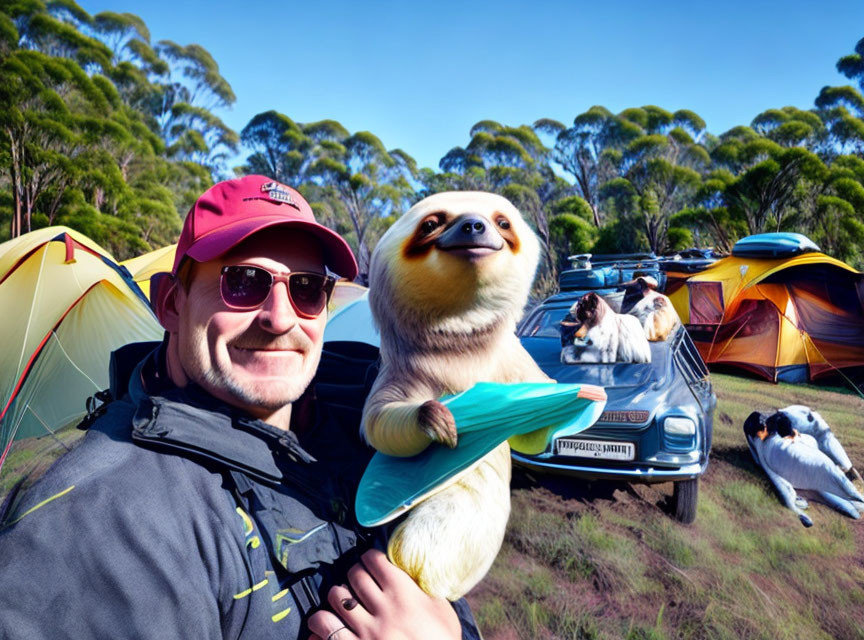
(420, 74)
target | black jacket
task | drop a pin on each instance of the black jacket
(180, 517)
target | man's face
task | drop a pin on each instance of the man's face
(258, 360)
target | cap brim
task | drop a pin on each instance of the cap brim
(337, 254)
(391, 486)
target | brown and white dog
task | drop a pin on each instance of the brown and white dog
(654, 310)
(603, 335)
(448, 282)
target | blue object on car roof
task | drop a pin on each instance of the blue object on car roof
(773, 245)
(609, 271)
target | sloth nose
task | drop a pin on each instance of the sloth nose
(472, 226)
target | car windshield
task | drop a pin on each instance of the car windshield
(544, 324)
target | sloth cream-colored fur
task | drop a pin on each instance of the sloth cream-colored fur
(447, 284)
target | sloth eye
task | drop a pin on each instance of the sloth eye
(503, 223)
(429, 226)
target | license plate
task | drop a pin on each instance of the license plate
(599, 449)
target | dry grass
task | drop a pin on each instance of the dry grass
(603, 560)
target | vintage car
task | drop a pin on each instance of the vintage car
(658, 418)
(657, 424)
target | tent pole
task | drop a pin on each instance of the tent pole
(50, 433)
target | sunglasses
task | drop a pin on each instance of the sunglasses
(245, 287)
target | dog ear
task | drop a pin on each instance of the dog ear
(648, 282)
(754, 423)
(780, 424)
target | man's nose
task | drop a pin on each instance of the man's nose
(277, 315)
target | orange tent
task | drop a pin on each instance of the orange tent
(790, 318)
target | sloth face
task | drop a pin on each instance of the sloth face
(466, 255)
(466, 236)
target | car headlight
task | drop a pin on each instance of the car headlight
(678, 426)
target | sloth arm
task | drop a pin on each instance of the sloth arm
(390, 417)
(390, 422)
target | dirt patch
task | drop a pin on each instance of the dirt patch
(570, 495)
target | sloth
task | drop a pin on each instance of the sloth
(654, 310)
(447, 284)
(603, 335)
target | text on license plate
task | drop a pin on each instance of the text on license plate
(602, 449)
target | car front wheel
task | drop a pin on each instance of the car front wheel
(684, 497)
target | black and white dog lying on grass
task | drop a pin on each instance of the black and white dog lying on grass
(797, 450)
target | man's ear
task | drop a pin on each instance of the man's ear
(164, 289)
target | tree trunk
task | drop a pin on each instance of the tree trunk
(14, 168)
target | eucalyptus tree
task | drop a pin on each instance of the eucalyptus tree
(790, 127)
(73, 149)
(187, 98)
(53, 28)
(842, 110)
(571, 228)
(46, 141)
(372, 185)
(829, 206)
(280, 147)
(659, 172)
(708, 218)
(137, 68)
(590, 150)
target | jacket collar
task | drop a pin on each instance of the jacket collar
(194, 423)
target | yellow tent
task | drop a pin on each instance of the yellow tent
(67, 305)
(789, 318)
(144, 266)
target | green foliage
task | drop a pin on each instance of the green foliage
(80, 139)
(352, 181)
(620, 236)
(679, 238)
(570, 235)
(104, 130)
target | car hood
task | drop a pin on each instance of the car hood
(634, 391)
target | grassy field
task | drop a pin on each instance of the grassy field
(31, 457)
(604, 560)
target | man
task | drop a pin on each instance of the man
(212, 497)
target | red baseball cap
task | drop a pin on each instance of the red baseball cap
(231, 211)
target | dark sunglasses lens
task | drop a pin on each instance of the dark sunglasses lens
(309, 292)
(245, 286)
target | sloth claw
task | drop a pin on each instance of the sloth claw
(437, 422)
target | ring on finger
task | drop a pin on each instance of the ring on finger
(334, 633)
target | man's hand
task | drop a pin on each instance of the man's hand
(383, 603)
